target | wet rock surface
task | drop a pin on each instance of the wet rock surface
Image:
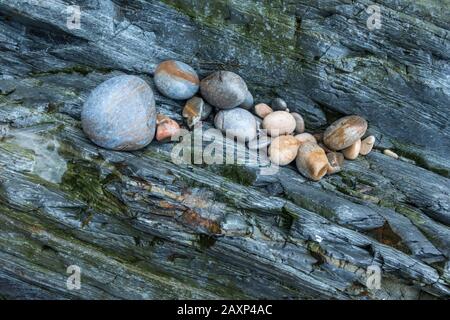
(142, 227)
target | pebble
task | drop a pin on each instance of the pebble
(336, 161)
(312, 162)
(166, 128)
(120, 114)
(299, 122)
(176, 80)
(224, 89)
(248, 102)
(259, 142)
(279, 123)
(283, 150)
(262, 110)
(390, 153)
(344, 132)
(352, 152)
(367, 145)
(196, 109)
(304, 137)
(237, 122)
(278, 104)
(318, 136)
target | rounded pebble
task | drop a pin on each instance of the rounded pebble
(312, 162)
(166, 128)
(237, 123)
(352, 152)
(367, 145)
(262, 110)
(390, 153)
(300, 123)
(195, 110)
(120, 114)
(224, 89)
(259, 142)
(279, 123)
(344, 132)
(176, 80)
(304, 137)
(283, 150)
(278, 104)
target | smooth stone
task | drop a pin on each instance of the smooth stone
(279, 123)
(166, 128)
(344, 132)
(390, 153)
(224, 89)
(318, 136)
(120, 114)
(300, 123)
(278, 104)
(238, 123)
(196, 109)
(283, 150)
(304, 137)
(248, 102)
(336, 161)
(262, 110)
(312, 162)
(259, 142)
(176, 80)
(352, 152)
(367, 145)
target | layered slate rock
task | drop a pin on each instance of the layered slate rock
(140, 226)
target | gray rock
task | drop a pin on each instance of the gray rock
(120, 114)
(224, 89)
(237, 123)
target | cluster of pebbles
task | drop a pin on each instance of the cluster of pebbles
(120, 114)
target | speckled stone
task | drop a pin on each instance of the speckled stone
(237, 123)
(176, 80)
(224, 89)
(120, 114)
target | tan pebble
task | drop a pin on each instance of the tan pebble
(312, 162)
(367, 145)
(352, 152)
(336, 160)
(303, 137)
(166, 128)
(262, 110)
(344, 132)
(279, 123)
(390, 153)
(283, 150)
(299, 123)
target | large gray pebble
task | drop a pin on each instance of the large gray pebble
(224, 89)
(120, 114)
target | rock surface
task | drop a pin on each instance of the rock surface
(141, 227)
